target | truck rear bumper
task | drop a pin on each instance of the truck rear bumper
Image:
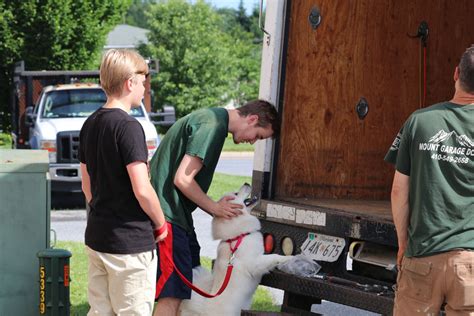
(320, 289)
(310, 290)
(65, 177)
(63, 186)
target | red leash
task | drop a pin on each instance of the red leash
(201, 292)
(167, 265)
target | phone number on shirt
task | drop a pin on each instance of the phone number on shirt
(450, 158)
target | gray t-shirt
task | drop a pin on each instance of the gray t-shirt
(435, 147)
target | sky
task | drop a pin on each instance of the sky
(248, 4)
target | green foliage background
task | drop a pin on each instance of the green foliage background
(207, 57)
(52, 35)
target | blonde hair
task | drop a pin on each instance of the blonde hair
(119, 65)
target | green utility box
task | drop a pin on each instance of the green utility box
(24, 228)
(54, 282)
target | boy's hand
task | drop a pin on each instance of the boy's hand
(224, 208)
(161, 237)
(161, 233)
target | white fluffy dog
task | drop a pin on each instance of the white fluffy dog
(249, 261)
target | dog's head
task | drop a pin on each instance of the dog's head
(229, 228)
(243, 197)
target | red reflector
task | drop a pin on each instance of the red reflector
(66, 275)
(268, 243)
(21, 140)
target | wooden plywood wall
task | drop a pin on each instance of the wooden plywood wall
(361, 49)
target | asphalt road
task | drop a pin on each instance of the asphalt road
(70, 225)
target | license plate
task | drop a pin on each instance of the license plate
(323, 247)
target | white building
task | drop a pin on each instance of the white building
(126, 36)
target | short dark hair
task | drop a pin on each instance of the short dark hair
(266, 112)
(466, 70)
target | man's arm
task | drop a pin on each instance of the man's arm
(185, 182)
(86, 183)
(401, 211)
(146, 195)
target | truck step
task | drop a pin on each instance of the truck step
(259, 313)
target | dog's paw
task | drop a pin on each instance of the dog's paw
(284, 259)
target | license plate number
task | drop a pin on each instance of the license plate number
(321, 247)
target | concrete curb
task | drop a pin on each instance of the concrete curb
(68, 215)
(237, 154)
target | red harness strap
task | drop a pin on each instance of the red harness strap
(167, 265)
(237, 244)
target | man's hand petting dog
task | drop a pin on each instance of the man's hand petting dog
(225, 209)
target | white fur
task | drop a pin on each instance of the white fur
(250, 264)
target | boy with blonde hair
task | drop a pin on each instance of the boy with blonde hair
(124, 209)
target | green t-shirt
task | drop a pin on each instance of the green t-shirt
(200, 134)
(435, 147)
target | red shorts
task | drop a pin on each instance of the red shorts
(182, 248)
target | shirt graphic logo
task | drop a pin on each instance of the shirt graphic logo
(396, 142)
(441, 136)
(460, 152)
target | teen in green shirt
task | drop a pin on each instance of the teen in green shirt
(181, 172)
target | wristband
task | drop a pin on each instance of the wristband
(162, 229)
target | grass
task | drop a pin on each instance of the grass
(5, 141)
(230, 146)
(79, 264)
(222, 184)
(262, 299)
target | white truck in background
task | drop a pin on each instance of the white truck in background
(56, 120)
(48, 109)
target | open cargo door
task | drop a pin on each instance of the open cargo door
(361, 49)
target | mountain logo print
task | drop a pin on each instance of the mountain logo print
(442, 136)
(449, 147)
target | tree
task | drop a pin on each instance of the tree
(242, 17)
(194, 53)
(53, 34)
(136, 12)
(246, 50)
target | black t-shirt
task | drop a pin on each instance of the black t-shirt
(110, 140)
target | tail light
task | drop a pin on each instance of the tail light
(287, 246)
(151, 144)
(268, 243)
(50, 146)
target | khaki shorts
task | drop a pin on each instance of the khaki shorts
(425, 283)
(121, 284)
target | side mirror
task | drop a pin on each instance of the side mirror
(30, 117)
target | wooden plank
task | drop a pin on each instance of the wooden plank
(361, 49)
